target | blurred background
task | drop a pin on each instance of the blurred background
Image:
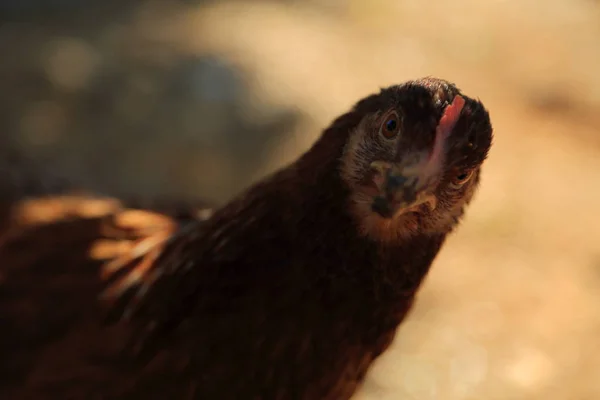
(200, 98)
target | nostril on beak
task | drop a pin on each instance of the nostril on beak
(395, 182)
(401, 186)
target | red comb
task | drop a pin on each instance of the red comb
(444, 128)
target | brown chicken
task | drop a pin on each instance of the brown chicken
(289, 291)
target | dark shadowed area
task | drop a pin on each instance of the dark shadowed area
(197, 99)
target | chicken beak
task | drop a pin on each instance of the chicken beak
(402, 190)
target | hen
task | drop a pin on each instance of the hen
(289, 291)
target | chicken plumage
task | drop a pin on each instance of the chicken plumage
(289, 291)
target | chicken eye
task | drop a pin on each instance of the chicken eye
(391, 126)
(461, 178)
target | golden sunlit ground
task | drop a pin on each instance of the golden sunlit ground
(511, 309)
